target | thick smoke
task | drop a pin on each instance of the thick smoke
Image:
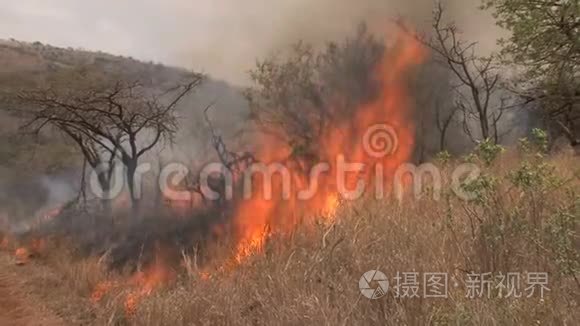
(251, 29)
(222, 38)
(26, 199)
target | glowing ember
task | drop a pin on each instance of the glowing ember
(22, 256)
(101, 290)
(204, 276)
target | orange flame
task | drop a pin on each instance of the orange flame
(22, 256)
(100, 290)
(150, 279)
(257, 218)
(34, 248)
(204, 276)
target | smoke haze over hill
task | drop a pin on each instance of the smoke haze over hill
(222, 38)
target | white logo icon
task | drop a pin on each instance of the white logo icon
(380, 283)
(380, 141)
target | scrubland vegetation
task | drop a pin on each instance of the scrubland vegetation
(145, 258)
(524, 218)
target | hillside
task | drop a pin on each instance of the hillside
(28, 59)
(27, 160)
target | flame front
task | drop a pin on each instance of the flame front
(145, 282)
(259, 217)
(100, 290)
(22, 255)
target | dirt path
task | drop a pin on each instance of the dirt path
(17, 307)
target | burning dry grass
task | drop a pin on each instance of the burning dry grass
(313, 279)
(311, 275)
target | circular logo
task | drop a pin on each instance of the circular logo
(373, 284)
(380, 140)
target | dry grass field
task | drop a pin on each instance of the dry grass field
(522, 220)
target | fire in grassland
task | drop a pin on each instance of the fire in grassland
(145, 282)
(259, 217)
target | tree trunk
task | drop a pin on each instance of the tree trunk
(131, 170)
(104, 179)
(484, 127)
(442, 137)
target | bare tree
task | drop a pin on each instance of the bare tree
(103, 162)
(444, 122)
(298, 98)
(559, 97)
(123, 119)
(477, 78)
(233, 163)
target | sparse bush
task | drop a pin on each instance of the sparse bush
(488, 151)
(540, 139)
(443, 157)
(538, 145)
(561, 236)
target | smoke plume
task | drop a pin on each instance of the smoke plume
(222, 38)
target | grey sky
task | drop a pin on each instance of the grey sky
(220, 37)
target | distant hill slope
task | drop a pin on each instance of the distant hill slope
(24, 159)
(24, 65)
(23, 62)
(22, 57)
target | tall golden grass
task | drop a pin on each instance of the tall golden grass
(524, 219)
